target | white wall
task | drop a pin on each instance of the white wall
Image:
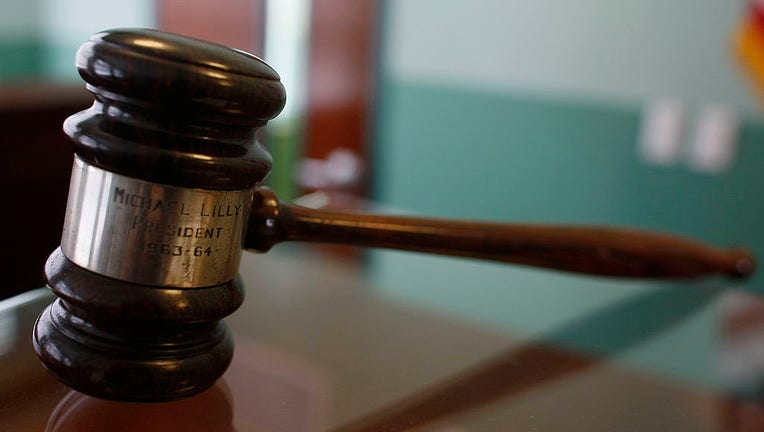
(622, 49)
(68, 23)
(19, 19)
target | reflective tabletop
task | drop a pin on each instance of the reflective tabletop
(321, 345)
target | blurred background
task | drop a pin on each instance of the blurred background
(586, 111)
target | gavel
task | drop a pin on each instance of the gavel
(166, 192)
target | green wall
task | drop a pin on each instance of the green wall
(466, 153)
(22, 58)
(21, 46)
(39, 38)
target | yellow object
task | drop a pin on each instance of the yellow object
(749, 44)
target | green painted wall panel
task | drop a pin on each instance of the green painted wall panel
(462, 153)
(471, 154)
(21, 59)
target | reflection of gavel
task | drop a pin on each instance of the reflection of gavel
(164, 187)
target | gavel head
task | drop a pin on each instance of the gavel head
(165, 166)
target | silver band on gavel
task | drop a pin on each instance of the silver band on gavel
(147, 233)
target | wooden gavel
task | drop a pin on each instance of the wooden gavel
(165, 194)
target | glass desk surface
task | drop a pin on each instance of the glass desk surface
(319, 348)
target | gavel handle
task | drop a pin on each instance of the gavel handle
(593, 250)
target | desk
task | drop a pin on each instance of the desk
(317, 349)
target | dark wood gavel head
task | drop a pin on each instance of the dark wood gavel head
(162, 183)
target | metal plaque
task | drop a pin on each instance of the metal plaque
(136, 231)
